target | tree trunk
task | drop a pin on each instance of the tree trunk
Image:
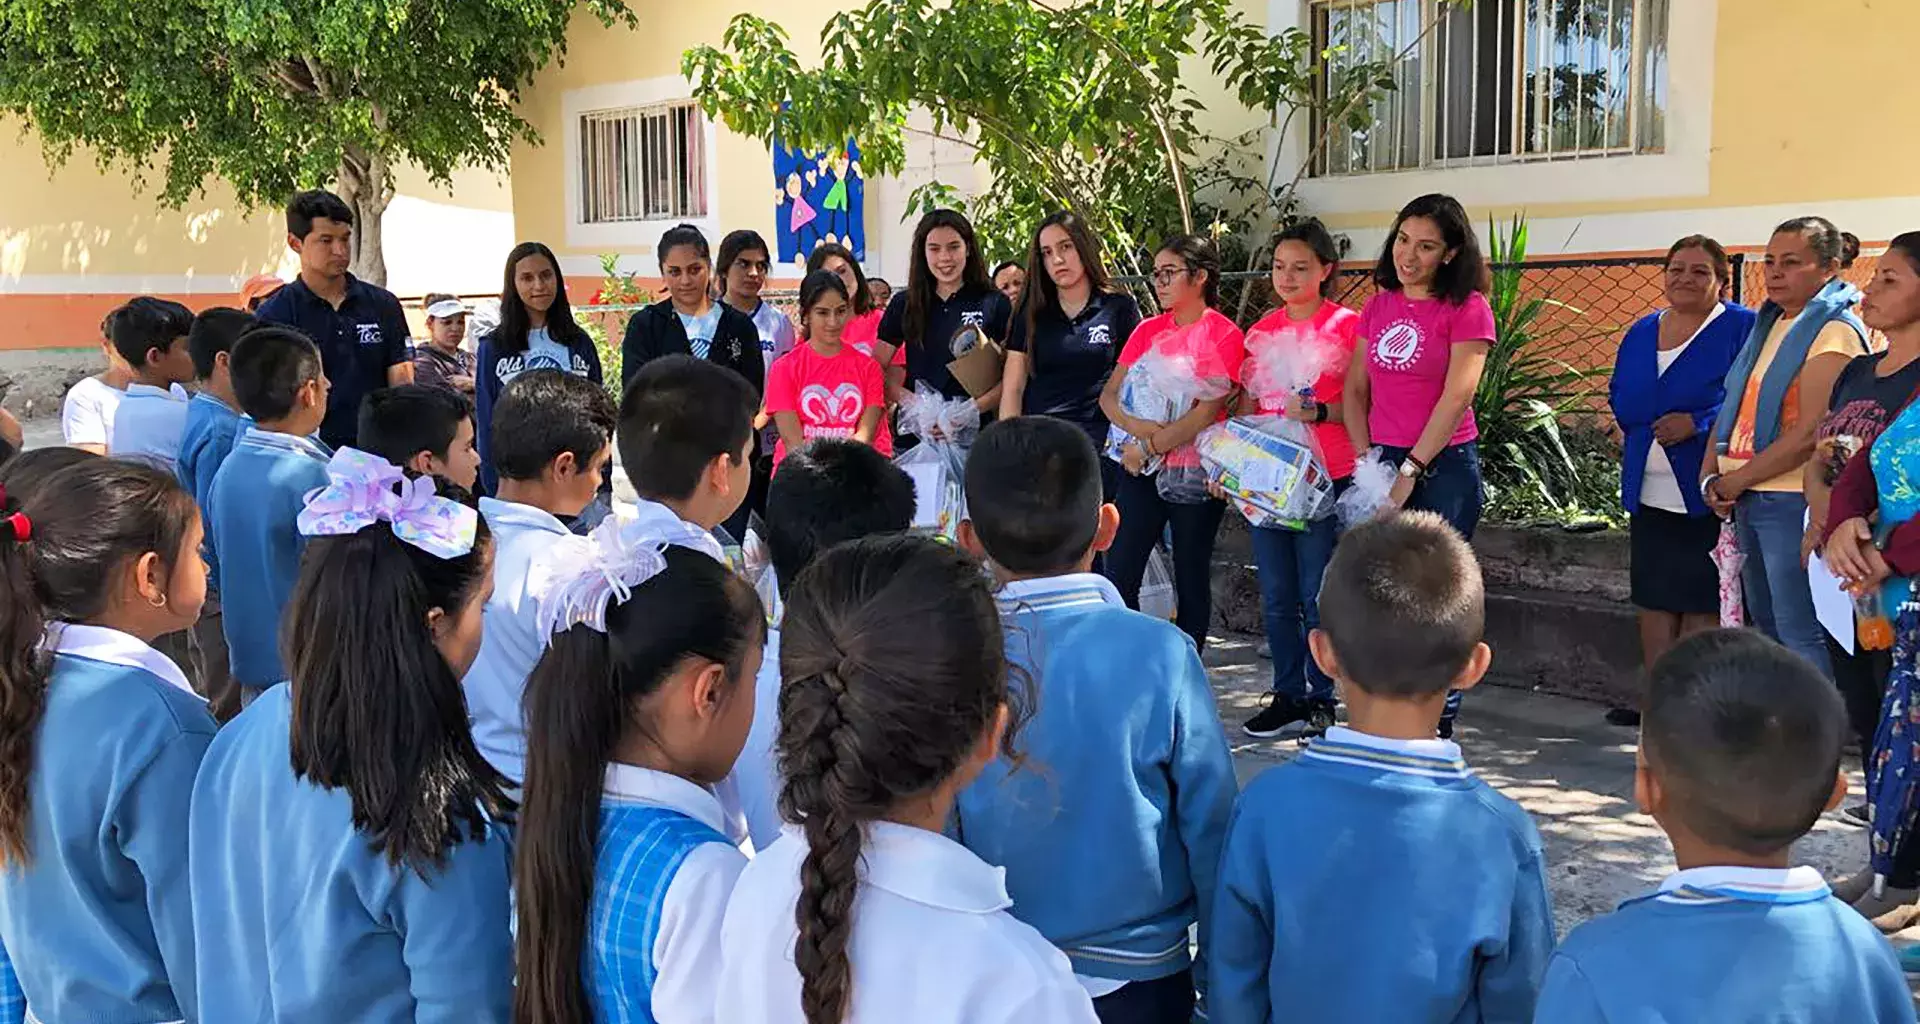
(367, 187)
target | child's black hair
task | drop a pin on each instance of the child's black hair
(875, 708)
(679, 235)
(543, 414)
(377, 711)
(1745, 739)
(28, 471)
(679, 414)
(1034, 494)
(827, 492)
(1404, 605)
(1314, 235)
(145, 323)
(214, 331)
(813, 289)
(400, 422)
(83, 523)
(1459, 277)
(269, 365)
(581, 701)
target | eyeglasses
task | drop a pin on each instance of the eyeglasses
(1164, 276)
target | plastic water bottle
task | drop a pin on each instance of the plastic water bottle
(1872, 628)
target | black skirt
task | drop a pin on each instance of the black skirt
(1673, 568)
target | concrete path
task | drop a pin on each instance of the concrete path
(1560, 760)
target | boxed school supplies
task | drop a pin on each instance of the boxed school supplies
(1268, 467)
(1164, 385)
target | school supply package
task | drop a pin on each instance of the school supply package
(1268, 468)
(1162, 386)
(937, 465)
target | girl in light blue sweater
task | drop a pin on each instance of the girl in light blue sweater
(100, 738)
(347, 858)
(642, 703)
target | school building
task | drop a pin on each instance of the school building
(1615, 125)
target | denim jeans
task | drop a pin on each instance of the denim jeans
(1167, 1000)
(1144, 516)
(1768, 526)
(1291, 565)
(1453, 490)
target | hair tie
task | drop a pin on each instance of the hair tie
(20, 525)
(365, 489)
(586, 576)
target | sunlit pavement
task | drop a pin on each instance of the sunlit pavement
(1560, 760)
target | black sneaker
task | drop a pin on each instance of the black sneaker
(1279, 716)
(1320, 718)
(1860, 814)
(1624, 717)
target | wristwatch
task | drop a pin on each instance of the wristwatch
(1409, 471)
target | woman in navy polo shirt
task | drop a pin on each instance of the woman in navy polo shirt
(1065, 338)
(947, 291)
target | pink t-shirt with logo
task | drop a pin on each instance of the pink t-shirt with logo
(1409, 344)
(829, 395)
(1281, 351)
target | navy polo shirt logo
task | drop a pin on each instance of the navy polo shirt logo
(973, 318)
(369, 333)
(1100, 334)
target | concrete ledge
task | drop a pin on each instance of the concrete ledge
(32, 383)
(1557, 613)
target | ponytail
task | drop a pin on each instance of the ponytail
(59, 548)
(580, 703)
(875, 710)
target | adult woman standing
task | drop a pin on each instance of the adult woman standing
(1308, 339)
(1066, 337)
(947, 292)
(1881, 478)
(1424, 339)
(1669, 380)
(536, 332)
(688, 321)
(1805, 335)
(1186, 278)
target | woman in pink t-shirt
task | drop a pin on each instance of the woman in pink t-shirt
(1186, 277)
(1424, 338)
(1308, 339)
(825, 388)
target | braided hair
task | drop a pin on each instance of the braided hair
(875, 711)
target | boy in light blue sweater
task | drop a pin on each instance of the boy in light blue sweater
(258, 492)
(1739, 755)
(1374, 879)
(1111, 845)
(214, 423)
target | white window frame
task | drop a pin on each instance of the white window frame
(631, 235)
(1680, 171)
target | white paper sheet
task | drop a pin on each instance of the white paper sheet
(929, 488)
(1831, 603)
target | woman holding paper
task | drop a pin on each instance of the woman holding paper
(1175, 375)
(947, 293)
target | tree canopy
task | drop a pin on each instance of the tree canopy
(277, 95)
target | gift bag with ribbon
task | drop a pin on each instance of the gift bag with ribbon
(937, 465)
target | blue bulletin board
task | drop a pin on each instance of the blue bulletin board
(820, 196)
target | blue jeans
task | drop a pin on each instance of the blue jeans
(1768, 526)
(1291, 565)
(1454, 491)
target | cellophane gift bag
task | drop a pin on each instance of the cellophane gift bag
(937, 465)
(1268, 468)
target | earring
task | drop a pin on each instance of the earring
(162, 603)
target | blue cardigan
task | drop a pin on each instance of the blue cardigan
(1695, 384)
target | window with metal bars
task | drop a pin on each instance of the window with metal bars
(642, 163)
(1495, 81)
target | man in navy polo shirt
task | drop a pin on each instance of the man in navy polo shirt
(359, 327)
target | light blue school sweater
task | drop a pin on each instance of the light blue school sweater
(98, 921)
(213, 428)
(256, 500)
(1731, 946)
(1111, 836)
(299, 920)
(1376, 880)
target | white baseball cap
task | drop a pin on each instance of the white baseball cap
(447, 308)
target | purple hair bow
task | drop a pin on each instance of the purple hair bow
(365, 489)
